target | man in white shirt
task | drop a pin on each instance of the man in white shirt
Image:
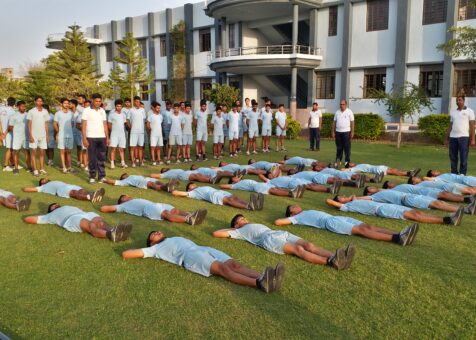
(38, 118)
(187, 132)
(281, 126)
(95, 137)
(343, 132)
(460, 136)
(176, 121)
(117, 140)
(5, 114)
(233, 123)
(315, 123)
(136, 122)
(201, 124)
(154, 125)
(63, 125)
(266, 126)
(253, 129)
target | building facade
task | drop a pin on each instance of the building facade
(297, 51)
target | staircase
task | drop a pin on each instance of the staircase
(284, 82)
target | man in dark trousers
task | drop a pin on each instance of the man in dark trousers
(95, 137)
(460, 136)
(343, 132)
(315, 123)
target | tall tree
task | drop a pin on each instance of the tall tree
(38, 83)
(131, 73)
(177, 78)
(9, 87)
(464, 42)
(72, 69)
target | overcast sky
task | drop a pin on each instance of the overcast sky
(25, 24)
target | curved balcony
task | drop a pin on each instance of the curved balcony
(264, 59)
(55, 41)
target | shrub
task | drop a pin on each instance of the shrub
(293, 127)
(435, 126)
(367, 125)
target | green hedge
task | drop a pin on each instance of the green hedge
(367, 125)
(293, 128)
(435, 126)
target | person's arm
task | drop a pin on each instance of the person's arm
(133, 254)
(320, 122)
(428, 178)
(472, 137)
(32, 140)
(263, 178)
(178, 193)
(106, 132)
(333, 132)
(48, 132)
(84, 125)
(352, 127)
(222, 233)
(30, 189)
(108, 209)
(282, 221)
(31, 220)
(363, 198)
(112, 182)
(156, 176)
(147, 125)
(334, 204)
(109, 126)
(225, 186)
(128, 123)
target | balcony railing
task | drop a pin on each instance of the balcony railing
(265, 50)
(58, 37)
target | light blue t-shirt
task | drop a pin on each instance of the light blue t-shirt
(417, 190)
(65, 123)
(187, 123)
(312, 176)
(207, 172)
(252, 232)
(370, 169)
(458, 179)
(209, 194)
(389, 196)
(202, 120)
(362, 207)
(38, 120)
(135, 181)
(444, 186)
(144, 208)
(234, 167)
(59, 216)
(179, 174)
(263, 165)
(137, 118)
(171, 249)
(19, 123)
(300, 161)
(57, 188)
(166, 119)
(253, 186)
(252, 118)
(5, 114)
(337, 173)
(175, 123)
(117, 121)
(218, 123)
(155, 121)
(266, 118)
(234, 119)
(312, 218)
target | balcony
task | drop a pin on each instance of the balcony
(55, 41)
(275, 59)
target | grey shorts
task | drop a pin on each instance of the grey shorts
(417, 201)
(275, 241)
(200, 259)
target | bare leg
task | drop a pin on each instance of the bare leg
(373, 233)
(226, 271)
(168, 215)
(440, 205)
(112, 155)
(236, 202)
(9, 202)
(199, 178)
(279, 192)
(448, 196)
(68, 159)
(94, 227)
(396, 172)
(237, 267)
(81, 195)
(33, 159)
(419, 216)
(62, 158)
(299, 251)
(15, 158)
(317, 188)
(313, 248)
(42, 159)
(27, 158)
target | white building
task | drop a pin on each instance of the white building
(295, 51)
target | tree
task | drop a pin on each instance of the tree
(402, 101)
(72, 69)
(9, 87)
(38, 83)
(222, 94)
(129, 81)
(177, 78)
(464, 43)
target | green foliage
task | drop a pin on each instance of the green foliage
(38, 83)
(368, 126)
(222, 94)
(9, 87)
(176, 91)
(293, 128)
(435, 126)
(129, 81)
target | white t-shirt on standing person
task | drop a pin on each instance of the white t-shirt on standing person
(95, 122)
(343, 120)
(460, 122)
(315, 117)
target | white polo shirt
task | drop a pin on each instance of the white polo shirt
(460, 122)
(95, 122)
(315, 116)
(343, 120)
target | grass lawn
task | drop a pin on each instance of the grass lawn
(56, 284)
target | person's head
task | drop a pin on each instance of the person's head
(238, 221)
(87, 103)
(124, 176)
(388, 185)
(188, 107)
(127, 102)
(168, 105)
(43, 181)
(21, 105)
(123, 199)
(190, 186)
(155, 237)
(292, 210)
(234, 108)
(11, 101)
(433, 173)
(314, 106)
(39, 101)
(247, 101)
(96, 101)
(64, 103)
(286, 157)
(317, 167)
(460, 101)
(203, 105)
(156, 107)
(254, 105)
(193, 167)
(343, 105)
(366, 191)
(234, 180)
(281, 107)
(251, 161)
(343, 199)
(73, 103)
(164, 170)
(137, 102)
(414, 180)
(182, 106)
(267, 107)
(176, 108)
(53, 207)
(81, 99)
(270, 175)
(118, 104)
(292, 172)
(218, 111)
(222, 163)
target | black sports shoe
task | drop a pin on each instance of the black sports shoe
(413, 231)
(265, 281)
(259, 201)
(349, 255)
(294, 193)
(337, 260)
(98, 195)
(456, 217)
(23, 204)
(197, 217)
(336, 187)
(470, 208)
(279, 271)
(414, 172)
(252, 203)
(172, 185)
(404, 236)
(216, 179)
(120, 232)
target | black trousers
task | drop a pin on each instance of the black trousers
(459, 146)
(343, 145)
(315, 138)
(97, 157)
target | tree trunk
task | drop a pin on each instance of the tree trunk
(399, 136)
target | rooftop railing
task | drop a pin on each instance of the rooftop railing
(266, 50)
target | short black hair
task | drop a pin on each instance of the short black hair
(187, 104)
(155, 104)
(251, 161)
(87, 101)
(336, 198)
(118, 102)
(203, 102)
(221, 164)
(164, 170)
(286, 157)
(288, 211)
(168, 102)
(234, 219)
(218, 108)
(280, 105)
(292, 172)
(410, 180)
(461, 96)
(21, 102)
(50, 207)
(188, 186)
(74, 102)
(176, 105)
(136, 98)
(11, 101)
(148, 242)
(385, 185)
(64, 99)
(38, 97)
(96, 96)
(81, 96)
(366, 191)
(119, 201)
(429, 173)
(124, 175)
(127, 100)
(193, 167)
(40, 182)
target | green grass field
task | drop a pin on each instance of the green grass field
(56, 284)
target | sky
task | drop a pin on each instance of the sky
(25, 24)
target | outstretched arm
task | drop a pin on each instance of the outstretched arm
(108, 209)
(109, 181)
(225, 186)
(222, 233)
(30, 189)
(180, 193)
(31, 220)
(263, 178)
(428, 178)
(156, 176)
(333, 203)
(133, 254)
(282, 221)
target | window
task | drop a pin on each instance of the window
(143, 47)
(374, 79)
(231, 36)
(108, 52)
(466, 10)
(465, 80)
(205, 40)
(377, 15)
(144, 92)
(326, 82)
(431, 79)
(163, 46)
(164, 89)
(205, 84)
(332, 21)
(434, 11)
(234, 82)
